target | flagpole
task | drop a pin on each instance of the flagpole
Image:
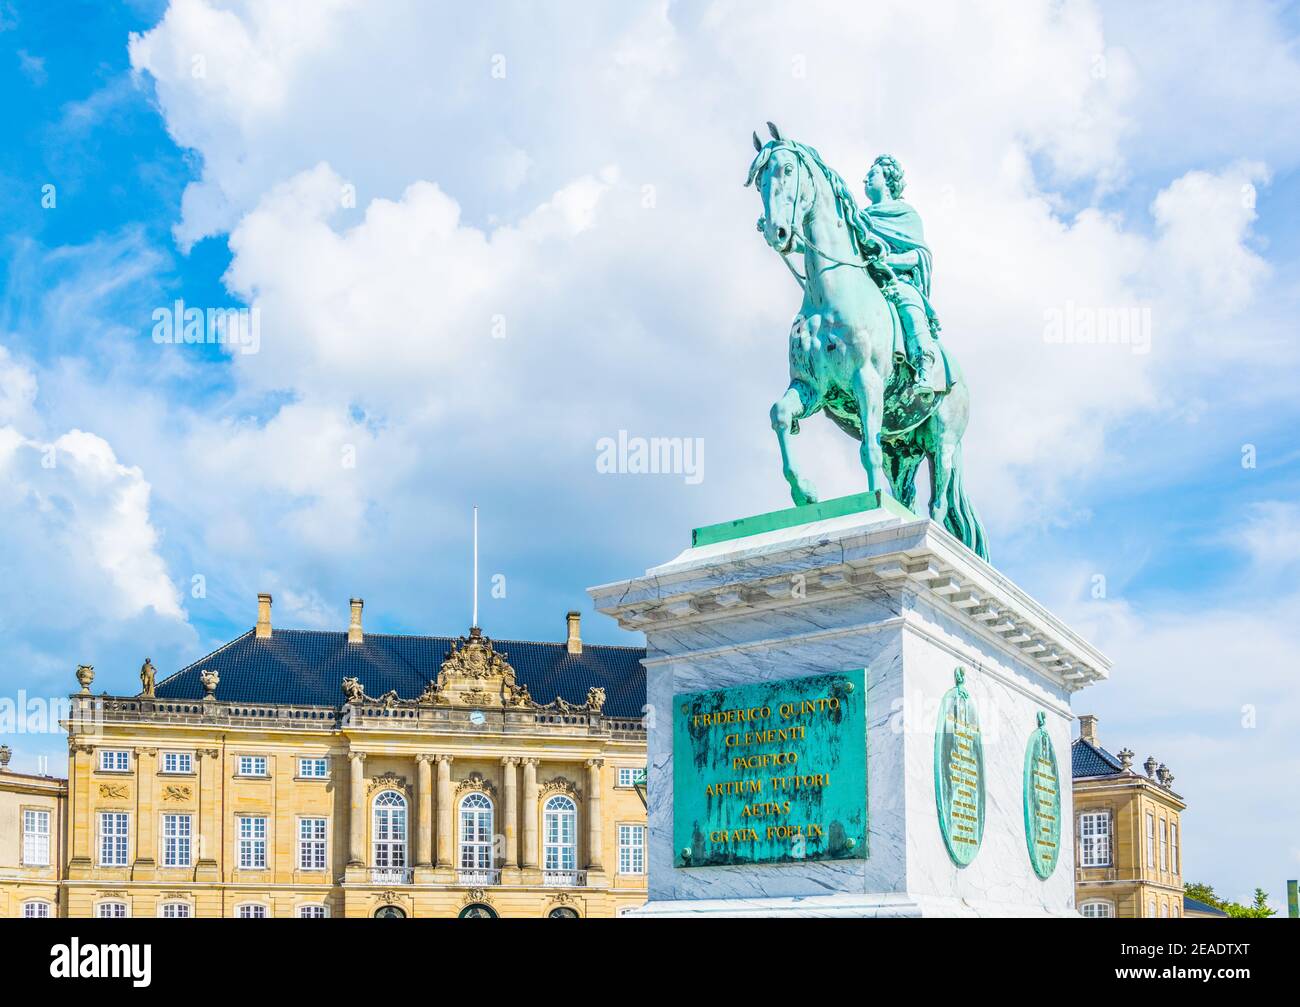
(475, 623)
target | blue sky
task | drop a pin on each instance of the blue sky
(576, 188)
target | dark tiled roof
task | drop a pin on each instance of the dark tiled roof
(1088, 759)
(1191, 905)
(306, 667)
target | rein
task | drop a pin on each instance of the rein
(796, 232)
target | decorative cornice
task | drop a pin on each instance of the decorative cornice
(911, 557)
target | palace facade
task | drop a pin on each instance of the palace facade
(1128, 828)
(316, 774)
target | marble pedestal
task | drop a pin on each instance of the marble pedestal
(901, 597)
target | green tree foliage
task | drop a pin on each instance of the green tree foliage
(1258, 909)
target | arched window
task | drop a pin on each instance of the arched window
(1097, 909)
(560, 832)
(475, 833)
(36, 910)
(175, 911)
(251, 911)
(111, 910)
(313, 912)
(389, 833)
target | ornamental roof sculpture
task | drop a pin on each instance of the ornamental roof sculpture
(474, 675)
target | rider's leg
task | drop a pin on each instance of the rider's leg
(915, 323)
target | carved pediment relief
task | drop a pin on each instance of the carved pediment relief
(175, 792)
(388, 781)
(474, 674)
(476, 781)
(114, 791)
(560, 785)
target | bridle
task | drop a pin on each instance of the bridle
(795, 232)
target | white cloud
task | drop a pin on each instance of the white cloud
(1269, 533)
(650, 275)
(74, 499)
(17, 389)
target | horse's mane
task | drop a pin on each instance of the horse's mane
(845, 205)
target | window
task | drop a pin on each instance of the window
(36, 910)
(114, 761)
(252, 765)
(1097, 910)
(36, 838)
(560, 832)
(1164, 845)
(1151, 907)
(475, 833)
(1177, 910)
(312, 912)
(112, 838)
(1173, 847)
(177, 833)
(629, 776)
(111, 910)
(1151, 841)
(631, 849)
(178, 762)
(311, 844)
(313, 769)
(389, 833)
(252, 843)
(1094, 839)
(1164, 910)
(175, 911)
(251, 911)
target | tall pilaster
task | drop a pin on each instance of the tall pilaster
(210, 780)
(145, 865)
(595, 822)
(444, 811)
(424, 811)
(508, 767)
(529, 854)
(357, 811)
(80, 814)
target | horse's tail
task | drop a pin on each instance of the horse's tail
(962, 519)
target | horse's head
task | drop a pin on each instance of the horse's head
(785, 183)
